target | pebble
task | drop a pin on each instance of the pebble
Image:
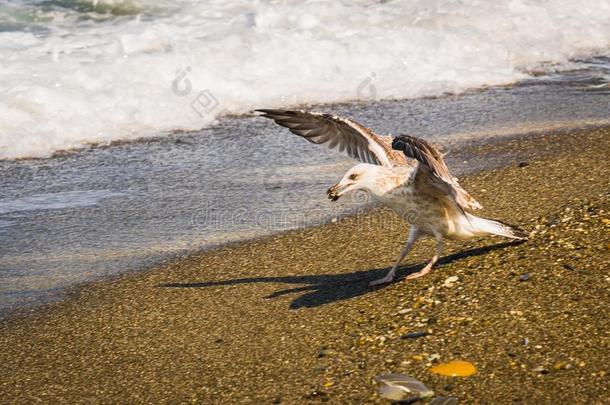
(329, 384)
(541, 370)
(562, 365)
(433, 357)
(319, 394)
(524, 277)
(327, 353)
(449, 281)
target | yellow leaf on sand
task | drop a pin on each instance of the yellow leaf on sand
(455, 368)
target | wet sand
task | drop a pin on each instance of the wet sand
(291, 319)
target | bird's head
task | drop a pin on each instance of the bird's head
(359, 177)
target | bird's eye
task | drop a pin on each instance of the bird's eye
(353, 176)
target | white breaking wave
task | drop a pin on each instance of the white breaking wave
(112, 70)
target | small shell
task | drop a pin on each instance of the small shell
(398, 387)
(455, 368)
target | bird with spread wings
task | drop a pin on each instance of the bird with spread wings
(405, 173)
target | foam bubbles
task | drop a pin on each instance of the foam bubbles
(70, 81)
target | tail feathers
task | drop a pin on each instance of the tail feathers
(482, 226)
(463, 198)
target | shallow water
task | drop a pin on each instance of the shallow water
(101, 211)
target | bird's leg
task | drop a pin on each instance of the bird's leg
(413, 236)
(437, 254)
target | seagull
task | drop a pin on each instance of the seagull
(404, 173)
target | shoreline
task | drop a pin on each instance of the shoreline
(166, 184)
(220, 326)
(461, 159)
(501, 135)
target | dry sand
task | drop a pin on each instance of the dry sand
(290, 319)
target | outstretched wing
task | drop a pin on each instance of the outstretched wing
(358, 141)
(433, 162)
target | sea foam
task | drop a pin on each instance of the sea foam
(116, 70)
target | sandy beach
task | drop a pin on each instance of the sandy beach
(291, 319)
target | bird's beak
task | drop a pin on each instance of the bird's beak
(335, 192)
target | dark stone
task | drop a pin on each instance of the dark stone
(414, 335)
(553, 220)
(317, 394)
(524, 277)
(523, 164)
(326, 352)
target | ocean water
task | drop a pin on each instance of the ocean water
(101, 211)
(80, 72)
(182, 77)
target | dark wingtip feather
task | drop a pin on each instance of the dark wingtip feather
(271, 111)
(517, 232)
(520, 233)
(400, 142)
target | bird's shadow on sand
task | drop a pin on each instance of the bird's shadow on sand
(320, 289)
